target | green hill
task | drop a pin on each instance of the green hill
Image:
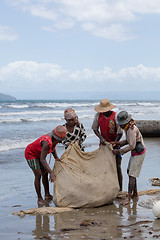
(4, 97)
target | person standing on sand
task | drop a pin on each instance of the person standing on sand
(135, 143)
(75, 129)
(105, 119)
(36, 153)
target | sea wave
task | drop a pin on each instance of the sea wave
(64, 104)
(30, 113)
(11, 144)
(41, 112)
(17, 106)
(39, 119)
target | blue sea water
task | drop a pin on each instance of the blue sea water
(21, 122)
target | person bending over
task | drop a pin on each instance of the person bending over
(105, 119)
(136, 146)
(36, 153)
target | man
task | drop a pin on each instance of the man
(36, 153)
(105, 119)
(135, 145)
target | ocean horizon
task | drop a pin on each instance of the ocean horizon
(136, 95)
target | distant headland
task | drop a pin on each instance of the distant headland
(4, 97)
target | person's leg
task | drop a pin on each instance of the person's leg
(131, 187)
(35, 165)
(37, 184)
(45, 182)
(135, 193)
(119, 171)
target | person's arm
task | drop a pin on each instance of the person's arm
(44, 152)
(95, 127)
(55, 155)
(130, 140)
(118, 137)
(101, 138)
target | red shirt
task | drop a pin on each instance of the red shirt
(108, 126)
(33, 150)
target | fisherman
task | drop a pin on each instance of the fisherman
(105, 119)
(36, 153)
(135, 143)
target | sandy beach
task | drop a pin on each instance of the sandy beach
(106, 222)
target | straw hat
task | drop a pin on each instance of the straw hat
(104, 106)
(123, 118)
(59, 132)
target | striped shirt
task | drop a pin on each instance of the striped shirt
(78, 134)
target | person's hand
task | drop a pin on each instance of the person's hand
(68, 144)
(77, 141)
(103, 141)
(115, 151)
(113, 144)
(52, 177)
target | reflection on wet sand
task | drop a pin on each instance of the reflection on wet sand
(89, 223)
(108, 222)
(42, 229)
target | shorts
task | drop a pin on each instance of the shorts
(135, 165)
(35, 164)
(118, 156)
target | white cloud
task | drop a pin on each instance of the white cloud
(107, 19)
(113, 31)
(42, 11)
(7, 34)
(144, 7)
(28, 75)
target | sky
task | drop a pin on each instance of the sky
(88, 49)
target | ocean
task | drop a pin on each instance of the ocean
(22, 121)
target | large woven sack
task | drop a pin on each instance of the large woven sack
(85, 179)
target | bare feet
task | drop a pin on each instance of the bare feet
(48, 197)
(125, 202)
(42, 202)
(135, 197)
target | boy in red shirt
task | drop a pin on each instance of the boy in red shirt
(36, 153)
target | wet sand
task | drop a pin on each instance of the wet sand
(108, 222)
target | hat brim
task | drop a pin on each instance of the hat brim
(56, 137)
(100, 109)
(123, 122)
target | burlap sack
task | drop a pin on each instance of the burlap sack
(85, 179)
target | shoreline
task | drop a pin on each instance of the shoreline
(108, 222)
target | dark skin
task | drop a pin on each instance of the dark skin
(132, 185)
(38, 173)
(102, 139)
(103, 142)
(70, 123)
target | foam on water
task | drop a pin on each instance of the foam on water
(18, 106)
(27, 119)
(65, 104)
(11, 144)
(38, 119)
